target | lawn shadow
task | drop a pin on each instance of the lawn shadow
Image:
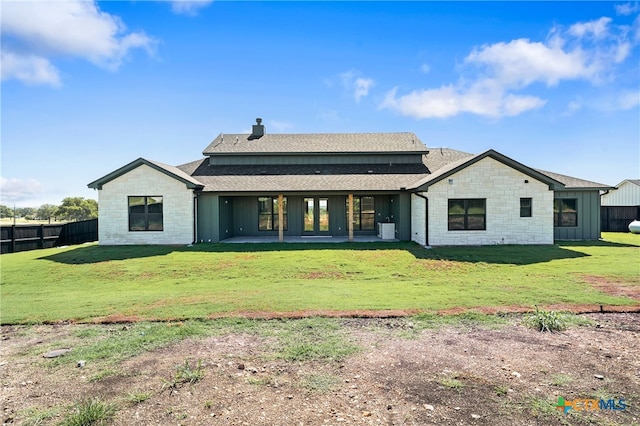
(500, 254)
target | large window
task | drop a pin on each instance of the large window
(525, 207)
(467, 214)
(145, 213)
(364, 213)
(268, 208)
(565, 212)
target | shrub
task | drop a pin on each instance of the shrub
(547, 320)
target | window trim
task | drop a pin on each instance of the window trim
(273, 214)
(357, 216)
(529, 209)
(559, 213)
(466, 215)
(146, 212)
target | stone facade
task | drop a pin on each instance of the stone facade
(418, 222)
(502, 187)
(113, 213)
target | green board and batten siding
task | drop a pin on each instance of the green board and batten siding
(221, 217)
(588, 206)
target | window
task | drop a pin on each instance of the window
(268, 209)
(469, 214)
(145, 213)
(525, 207)
(565, 212)
(364, 213)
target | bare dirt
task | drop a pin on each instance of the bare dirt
(510, 375)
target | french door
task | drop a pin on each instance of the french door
(316, 216)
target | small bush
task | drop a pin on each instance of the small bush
(138, 397)
(320, 383)
(90, 412)
(452, 382)
(184, 374)
(547, 320)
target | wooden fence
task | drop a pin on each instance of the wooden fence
(15, 238)
(618, 218)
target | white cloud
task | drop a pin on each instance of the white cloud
(522, 62)
(30, 69)
(627, 8)
(362, 86)
(359, 86)
(189, 7)
(628, 100)
(16, 191)
(448, 101)
(66, 28)
(586, 50)
(598, 28)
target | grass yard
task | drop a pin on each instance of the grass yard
(90, 282)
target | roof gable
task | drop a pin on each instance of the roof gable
(455, 166)
(170, 171)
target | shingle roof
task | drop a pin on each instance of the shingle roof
(633, 181)
(575, 183)
(317, 178)
(316, 143)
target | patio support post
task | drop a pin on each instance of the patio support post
(280, 218)
(350, 216)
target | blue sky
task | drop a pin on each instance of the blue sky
(88, 87)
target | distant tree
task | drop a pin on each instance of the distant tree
(26, 212)
(5, 211)
(46, 212)
(77, 208)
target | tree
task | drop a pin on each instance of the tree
(26, 212)
(6, 211)
(77, 208)
(46, 212)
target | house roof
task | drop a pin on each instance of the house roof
(293, 178)
(460, 160)
(632, 181)
(170, 171)
(572, 183)
(316, 143)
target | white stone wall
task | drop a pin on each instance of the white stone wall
(502, 187)
(113, 209)
(418, 225)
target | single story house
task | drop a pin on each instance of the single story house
(620, 206)
(345, 185)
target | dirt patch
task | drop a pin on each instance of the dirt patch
(401, 376)
(614, 288)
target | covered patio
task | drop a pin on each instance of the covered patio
(307, 239)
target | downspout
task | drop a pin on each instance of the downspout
(195, 216)
(426, 218)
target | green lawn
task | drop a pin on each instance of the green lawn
(86, 282)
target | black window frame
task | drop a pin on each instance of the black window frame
(526, 210)
(146, 217)
(358, 214)
(465, 216)
(271, 214)
(561, 217)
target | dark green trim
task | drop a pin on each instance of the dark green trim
(97, 184)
